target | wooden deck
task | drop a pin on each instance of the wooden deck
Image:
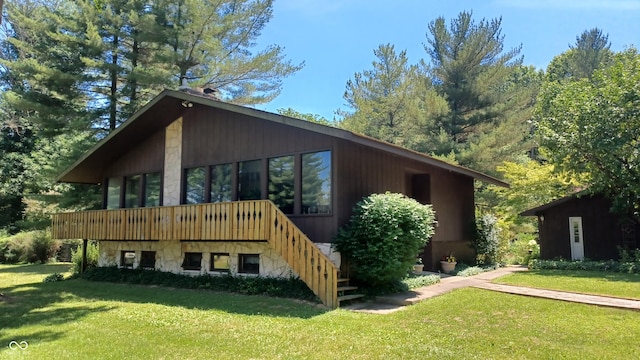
(234, 221)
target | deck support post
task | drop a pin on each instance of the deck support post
(84, 256)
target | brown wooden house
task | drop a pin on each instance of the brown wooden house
(196, 185)
(581, 226)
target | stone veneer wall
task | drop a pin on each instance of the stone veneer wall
(172, 163)
(169, 255)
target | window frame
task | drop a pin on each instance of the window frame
(123, 257)
(212, 262)
(143, 264)
(189, 267)
(242, 266)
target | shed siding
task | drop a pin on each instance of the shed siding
(601, 229)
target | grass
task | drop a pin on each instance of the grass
(588, 282)
(96, 320)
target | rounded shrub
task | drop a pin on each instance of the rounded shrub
(383, 237)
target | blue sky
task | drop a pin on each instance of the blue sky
(336, 38)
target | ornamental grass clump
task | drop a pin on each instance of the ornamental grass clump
(383, 237)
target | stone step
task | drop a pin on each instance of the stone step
(346, 288)
(349, 297)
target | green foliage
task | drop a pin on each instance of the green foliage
(32, 246)
(92, 257)
(486, 241)
(591, 128)
(631, 265)
(394, 101)
(464, 271)
(43, 248)
(315, 118)
(516, 251)
(384, 235)
(590, 52)
(53, 278)
(249, 285)
(488, 91)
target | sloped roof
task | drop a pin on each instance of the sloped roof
(168, 106)
(536, 210)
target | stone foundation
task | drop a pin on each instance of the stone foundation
(170, 254)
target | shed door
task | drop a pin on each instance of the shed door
(576, 238)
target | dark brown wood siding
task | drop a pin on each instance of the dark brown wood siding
(214, 136)
(145, 158)
(363, 171)
(600, 228)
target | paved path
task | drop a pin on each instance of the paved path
(391, 303)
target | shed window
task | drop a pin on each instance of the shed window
(152, 189)
(249, 263)
(194, 185)
(316, 183)
(281, 183)
(249, 180)
(221, 183)
(192, 261)
(113, 193)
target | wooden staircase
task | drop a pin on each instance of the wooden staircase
(345, 291)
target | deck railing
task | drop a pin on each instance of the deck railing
(233, 221)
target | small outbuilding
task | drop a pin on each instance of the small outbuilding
(582, 226)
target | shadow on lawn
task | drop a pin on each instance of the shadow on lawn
(194, 299)
(36, 269)
(35, 306)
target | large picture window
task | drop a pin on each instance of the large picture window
(132, 191)
(113, 193)
(152, 189)
(221, 183)
(194, 185)
(281, 176)
(249, 180)
(316, 183)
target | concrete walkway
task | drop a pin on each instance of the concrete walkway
(395, 302)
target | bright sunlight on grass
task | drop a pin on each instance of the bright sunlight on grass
(588, 282)
(95, 320)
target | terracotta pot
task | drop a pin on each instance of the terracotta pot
(448, 267)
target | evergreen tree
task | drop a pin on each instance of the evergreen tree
(590, 52)
(488, 91)
(394, 101)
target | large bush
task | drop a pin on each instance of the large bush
(31, 246)
(92, 257)
(486, 241)
(383, 237)
(43, 248)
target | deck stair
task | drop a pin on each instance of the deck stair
(345, 291)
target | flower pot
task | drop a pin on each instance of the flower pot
(448, 267)
(417, 268)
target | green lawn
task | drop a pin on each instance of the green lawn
(93, 320)
(588, 282)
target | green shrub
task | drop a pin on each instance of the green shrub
(43, 248)
(631, 267)
(517, 251)
(92, 257)
(249, 285)
(53, 278)
(17, 248)
(486, 240)
(384, 236)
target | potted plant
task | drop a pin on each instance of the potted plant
(448, 263)
(418, 266)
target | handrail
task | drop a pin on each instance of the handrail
(235, 221)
